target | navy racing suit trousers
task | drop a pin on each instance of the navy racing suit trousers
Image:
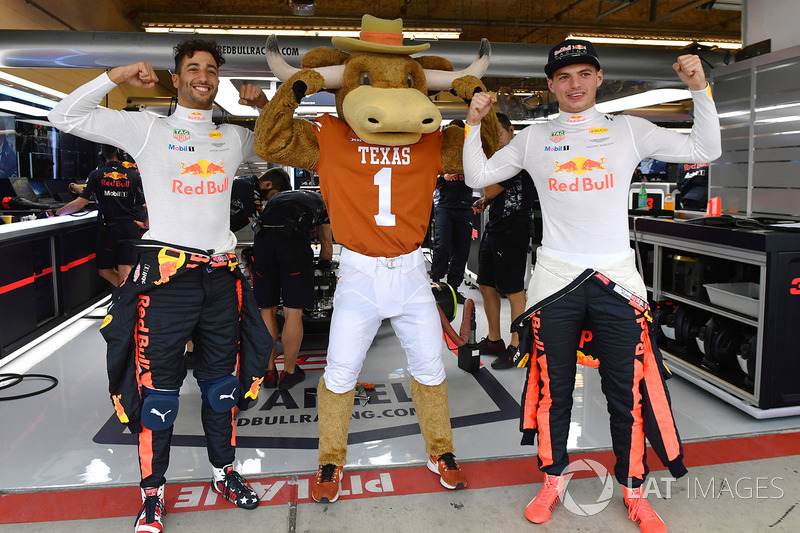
(620, 341)
(204, 304)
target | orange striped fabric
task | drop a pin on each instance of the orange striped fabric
(636, 465)
(146, 452)
(659, 401)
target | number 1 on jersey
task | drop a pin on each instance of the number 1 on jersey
(383, 179)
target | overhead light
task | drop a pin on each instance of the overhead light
(23, 109)
(31, 85)
(682, 43)
(426, 34)
(645, 99)
(27, 97)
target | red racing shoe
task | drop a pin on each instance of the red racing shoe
(640, 511)
(540, 508)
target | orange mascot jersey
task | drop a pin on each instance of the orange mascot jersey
(378, 197)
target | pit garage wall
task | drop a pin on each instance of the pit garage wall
(776, 20)
(47, 275)
(758, 101)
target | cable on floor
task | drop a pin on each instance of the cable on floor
(16, 379)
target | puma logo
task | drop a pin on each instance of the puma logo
(163, 417)
(223, 396)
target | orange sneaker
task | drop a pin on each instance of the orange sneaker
(326, 485)
(640, 511)
(539, 508)
(450, 474)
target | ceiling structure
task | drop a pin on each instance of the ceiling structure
(501, 21)
(510, 21)
(521, 32)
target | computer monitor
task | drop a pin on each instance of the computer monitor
(59, 189)
(40, 190)
(23, 189)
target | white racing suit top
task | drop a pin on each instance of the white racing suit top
(187, 163)
(582, 167)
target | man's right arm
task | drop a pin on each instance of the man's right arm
(75, 205)
(78, 113)
(504, 164)
(326, 242)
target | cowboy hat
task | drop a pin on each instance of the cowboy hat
(380, 36)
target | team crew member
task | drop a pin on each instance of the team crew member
(585, 270)
(186, 281)
(503, 253)
(452, 229)
(118, 191)
(246, 193)
(284, 266)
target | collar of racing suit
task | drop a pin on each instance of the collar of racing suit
(197, 116)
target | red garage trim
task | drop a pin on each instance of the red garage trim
(25, 281)
(72, 504)
(77, 262)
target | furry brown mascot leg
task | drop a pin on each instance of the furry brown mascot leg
(335, 411)
(433, 412)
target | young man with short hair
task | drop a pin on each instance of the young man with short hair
(585, 273)
(187, 282)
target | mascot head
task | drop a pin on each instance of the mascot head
(381, 92)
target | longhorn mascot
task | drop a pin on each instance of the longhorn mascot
(377, 164)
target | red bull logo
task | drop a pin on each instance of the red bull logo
(196, 115)
(252, 393)
(202, 168)
(123, 417)
(570, 49)
(128, 164)
(114, 179)
(169, 261)
(580, 165)
(576, 118)
(587, 360)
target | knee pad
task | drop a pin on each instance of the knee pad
(221, 394)
(159, 408)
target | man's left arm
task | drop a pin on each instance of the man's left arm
(704, 143)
